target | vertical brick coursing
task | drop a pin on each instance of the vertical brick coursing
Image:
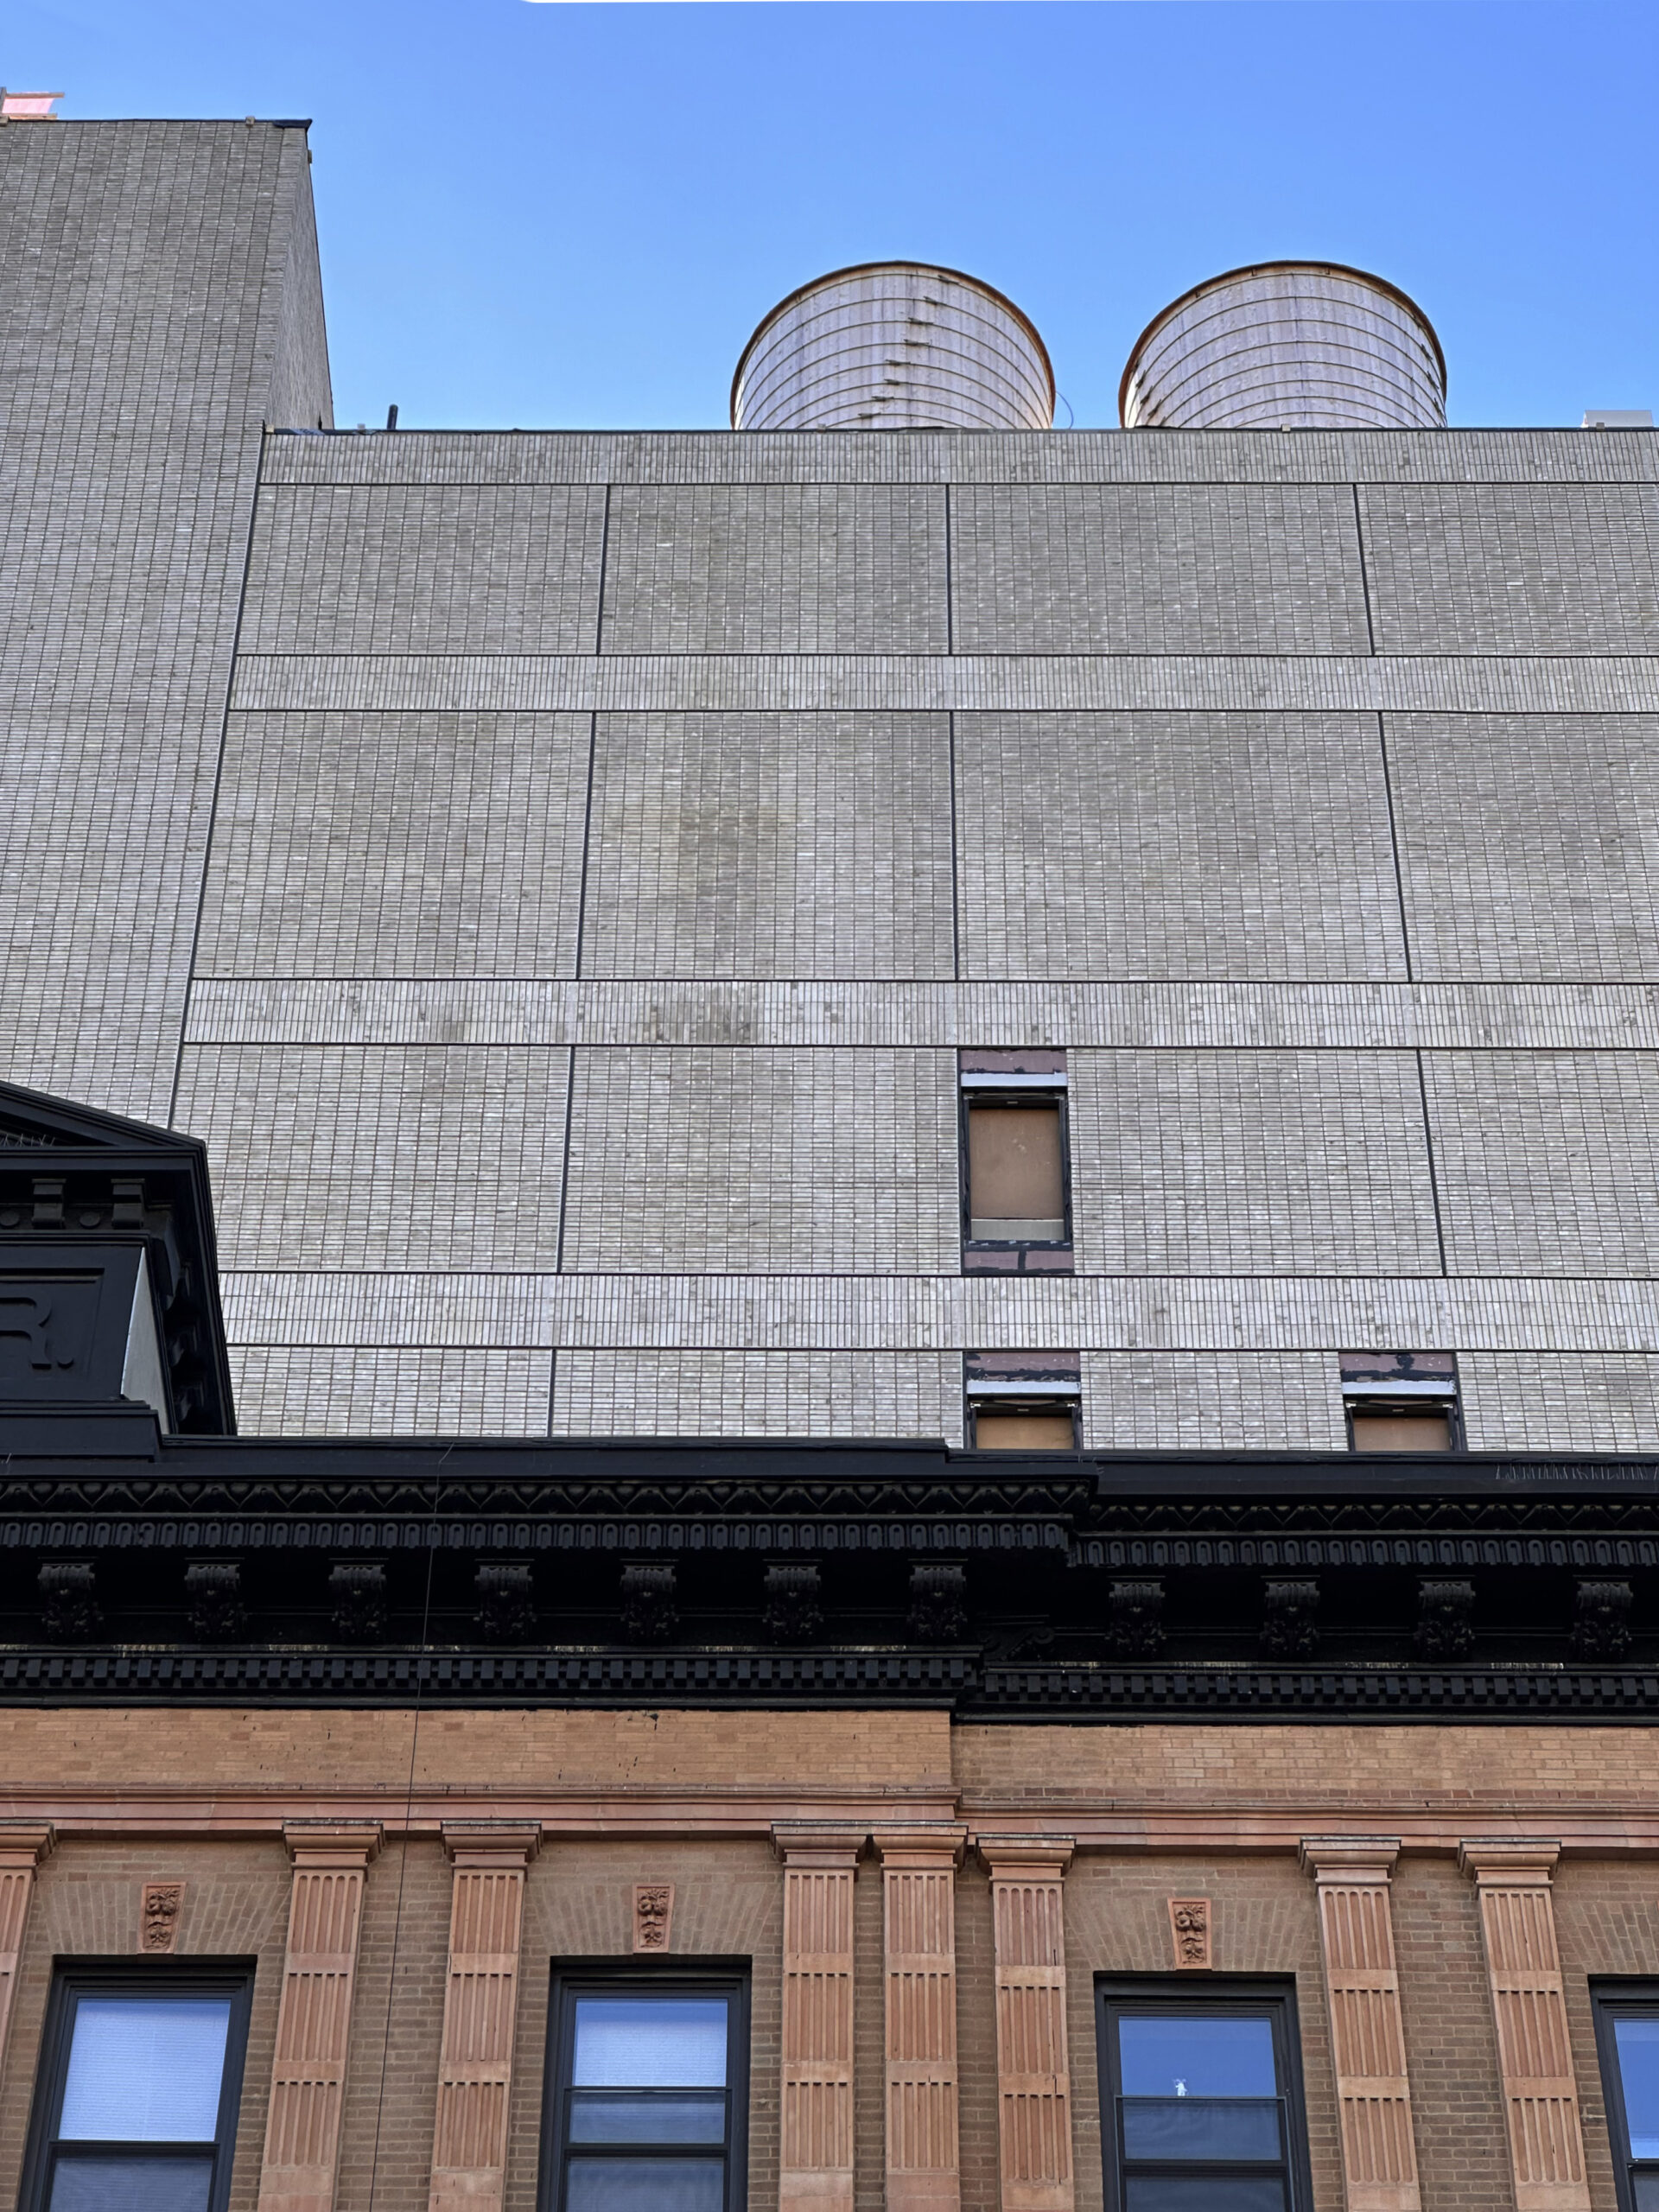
(1034, 2086)
(1362, 1986)
(314, 2027)
(469, 2135)
(1523, 1967)
(918, 1875)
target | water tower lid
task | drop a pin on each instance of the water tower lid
(876, 268)
(1270, 268)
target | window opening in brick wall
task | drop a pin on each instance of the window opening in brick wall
(1401, 1401)
(1204, 2098)
(1627, 2042)
(1015, 1151)
(646, 2093)
(139, 2083)
(1022, 1402)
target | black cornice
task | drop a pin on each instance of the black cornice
(1052, 1566)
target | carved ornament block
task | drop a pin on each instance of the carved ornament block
(159, 1917)
(653, 1915)
(1189, 1930)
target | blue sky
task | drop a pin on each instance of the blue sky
(573, 214)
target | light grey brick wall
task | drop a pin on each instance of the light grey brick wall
(1183, 568)
(1250, 1163)
(377, 1390)
(1264, 1401)
(152, 301)
(1550, 1401)
(1175, 844)
(642, 747)
(1547, 1162)
(364, 845)
(786, 845)
(416, 1157)
(1529, 844)
(488, 569)
(721, 1393)
(735, 1160)
(781, 569)
(1508, 568)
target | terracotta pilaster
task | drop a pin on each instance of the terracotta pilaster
(918, 1895)
(1541, 2096)
(23, 1845)
(480, 2012)
(1033, 2082)
(820, 1867)
(1368, 2043)
(331, 1862)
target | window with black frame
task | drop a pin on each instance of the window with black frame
(1627, 2035)
(1204, 2095)
(645, 2110)
(141, 2076)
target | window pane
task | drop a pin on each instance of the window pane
(80, 2183)
(596, 2118)
(1638, 2045)
(1401, 1432)
(1201, 2127)
(1017, 1432)
(1189, 2193)
(651, 2043)
(145, 2070)
(1196, 2055)
(1645, 2190)
(1014, 1183)
(644, 2185)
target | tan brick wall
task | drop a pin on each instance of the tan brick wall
(1263, 1922)
(687, 1797)
(1451, 2048)
(391, 2078)
(579, 1905)
(87, 1904)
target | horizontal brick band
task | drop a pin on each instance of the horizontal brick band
(934, 1312)
(359, 1010)
(1528, 457)
(923, 683)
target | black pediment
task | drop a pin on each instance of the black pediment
(30, 1122)
(77, 1181)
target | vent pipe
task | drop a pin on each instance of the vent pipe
(894, 346)
(1287, 346)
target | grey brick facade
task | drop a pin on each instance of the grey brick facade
(559, 870)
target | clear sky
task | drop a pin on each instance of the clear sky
(565, 214)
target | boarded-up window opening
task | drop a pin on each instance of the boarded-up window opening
(1383, 1428)
(1013, 1428)
(1016, 1173)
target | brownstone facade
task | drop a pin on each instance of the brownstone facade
(923, 1911)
